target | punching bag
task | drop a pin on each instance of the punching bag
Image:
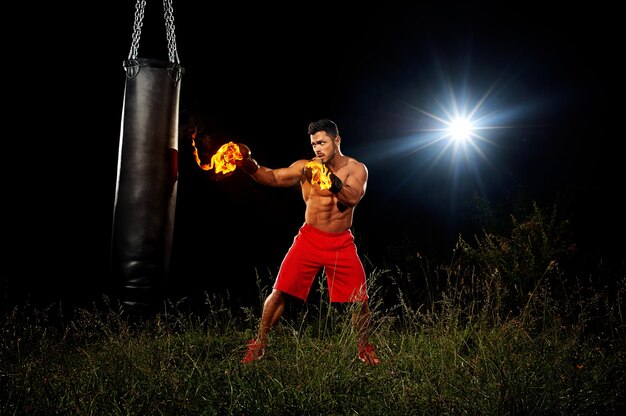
(147, 174)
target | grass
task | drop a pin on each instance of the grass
(511, 326)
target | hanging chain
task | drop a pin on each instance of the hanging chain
(140, 8)
(169, 28)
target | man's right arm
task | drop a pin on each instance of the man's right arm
(284, 177)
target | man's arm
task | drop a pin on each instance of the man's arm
(272, 177)
(288, 176)
(354, 186)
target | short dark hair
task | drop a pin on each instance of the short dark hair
(325, 125)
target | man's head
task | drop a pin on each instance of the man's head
(325, 125)
(325, 139)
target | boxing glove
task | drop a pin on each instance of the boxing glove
(316, 171)
(248, 164)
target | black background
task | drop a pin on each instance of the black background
(258, 74)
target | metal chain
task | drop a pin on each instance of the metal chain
(140, 8)
(169, 28)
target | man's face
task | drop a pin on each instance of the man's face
(323, 146)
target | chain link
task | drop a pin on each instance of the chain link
(140, 8)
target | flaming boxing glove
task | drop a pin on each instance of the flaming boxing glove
(248, 164)
(317, 172)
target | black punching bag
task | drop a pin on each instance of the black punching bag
(147, 174)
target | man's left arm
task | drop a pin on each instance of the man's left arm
(350, 191)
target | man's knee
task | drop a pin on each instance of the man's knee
(275, 297)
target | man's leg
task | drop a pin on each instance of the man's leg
(361, 320)
(272, 310)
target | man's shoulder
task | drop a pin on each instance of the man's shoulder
(355, 164)
(300, 163)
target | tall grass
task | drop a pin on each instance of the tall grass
(510, 326)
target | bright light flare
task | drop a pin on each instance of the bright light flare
(460, 129)
(453, 133)
(459, 126)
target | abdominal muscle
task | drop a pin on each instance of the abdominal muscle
(322, 212)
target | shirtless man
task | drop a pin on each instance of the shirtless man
(324, 240)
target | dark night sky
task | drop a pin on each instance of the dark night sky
(260, 74)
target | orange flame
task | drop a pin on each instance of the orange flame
(223, 161)
(320, 174)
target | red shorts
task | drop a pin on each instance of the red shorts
(313, 249)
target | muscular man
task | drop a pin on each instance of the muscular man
(324, 240)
